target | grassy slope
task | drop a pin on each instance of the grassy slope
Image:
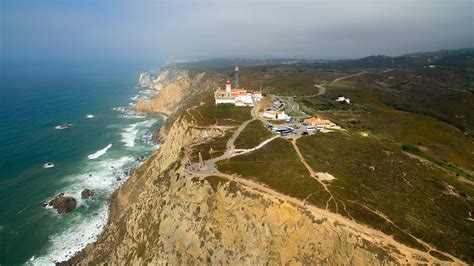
(276, 164)
(223, 115)
(253, 134)
(414, 196)
(441, 139)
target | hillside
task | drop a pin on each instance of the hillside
(393, 186)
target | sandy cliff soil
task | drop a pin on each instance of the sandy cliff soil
(165, 214)
(169, 98)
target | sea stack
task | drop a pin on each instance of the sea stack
(87, 193)
(63, 204)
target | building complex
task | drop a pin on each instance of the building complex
(236, 95)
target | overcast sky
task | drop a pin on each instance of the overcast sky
(171, 30)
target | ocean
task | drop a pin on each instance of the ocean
(95, 153)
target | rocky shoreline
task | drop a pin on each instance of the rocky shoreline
(164, 102)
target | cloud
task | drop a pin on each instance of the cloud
(187, 29)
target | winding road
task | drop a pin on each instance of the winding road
(322, 87)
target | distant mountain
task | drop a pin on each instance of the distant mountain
(459, 57)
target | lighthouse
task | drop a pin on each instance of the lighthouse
(228, 88)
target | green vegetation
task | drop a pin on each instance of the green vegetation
(218, 146)
(371, 113)
(253, 134)
(425, 111)
(375, 176)
(223, 114)
(444, 164)
(277, 165)
(215, 181)
(208, 114)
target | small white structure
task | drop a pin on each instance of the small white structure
(275, 115)
(343, 99)
(257, 95)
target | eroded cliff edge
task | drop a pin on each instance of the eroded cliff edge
(164, 214)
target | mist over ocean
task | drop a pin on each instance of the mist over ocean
(35, 99)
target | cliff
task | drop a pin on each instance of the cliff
(165, 214)
(172, 85)
(144, 80)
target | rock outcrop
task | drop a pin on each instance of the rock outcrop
(87, 193)
(170, 96)
(145, 80)
(63, 204)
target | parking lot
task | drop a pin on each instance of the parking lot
(292, 129)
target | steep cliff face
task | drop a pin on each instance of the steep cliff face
(170, 96)
(144, 80)
(183, 220)
(172, 85)
(165, 214)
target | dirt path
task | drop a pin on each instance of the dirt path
(364, 231)
(367, 233)
(313, 174)
(244, 151)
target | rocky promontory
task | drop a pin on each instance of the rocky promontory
(165, 214)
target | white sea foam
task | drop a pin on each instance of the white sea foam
(120, 109)
(99, 153)
(102, 178)
(89, 116)
(103, 175)
(135, 98)
(75, 238)
(132, 116)
(147, 123)
(130, 133)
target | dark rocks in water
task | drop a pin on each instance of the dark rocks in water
(87, 193)
(63, 204)
(118, 179)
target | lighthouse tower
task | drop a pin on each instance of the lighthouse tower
(237, 66)
(228, 87)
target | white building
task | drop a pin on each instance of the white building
(275, 115)
(236, 96)
(343, 99)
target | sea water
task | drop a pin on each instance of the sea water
(97, 153)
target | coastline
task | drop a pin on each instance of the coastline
(165, 213)
(114, 205)
(104, 171)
